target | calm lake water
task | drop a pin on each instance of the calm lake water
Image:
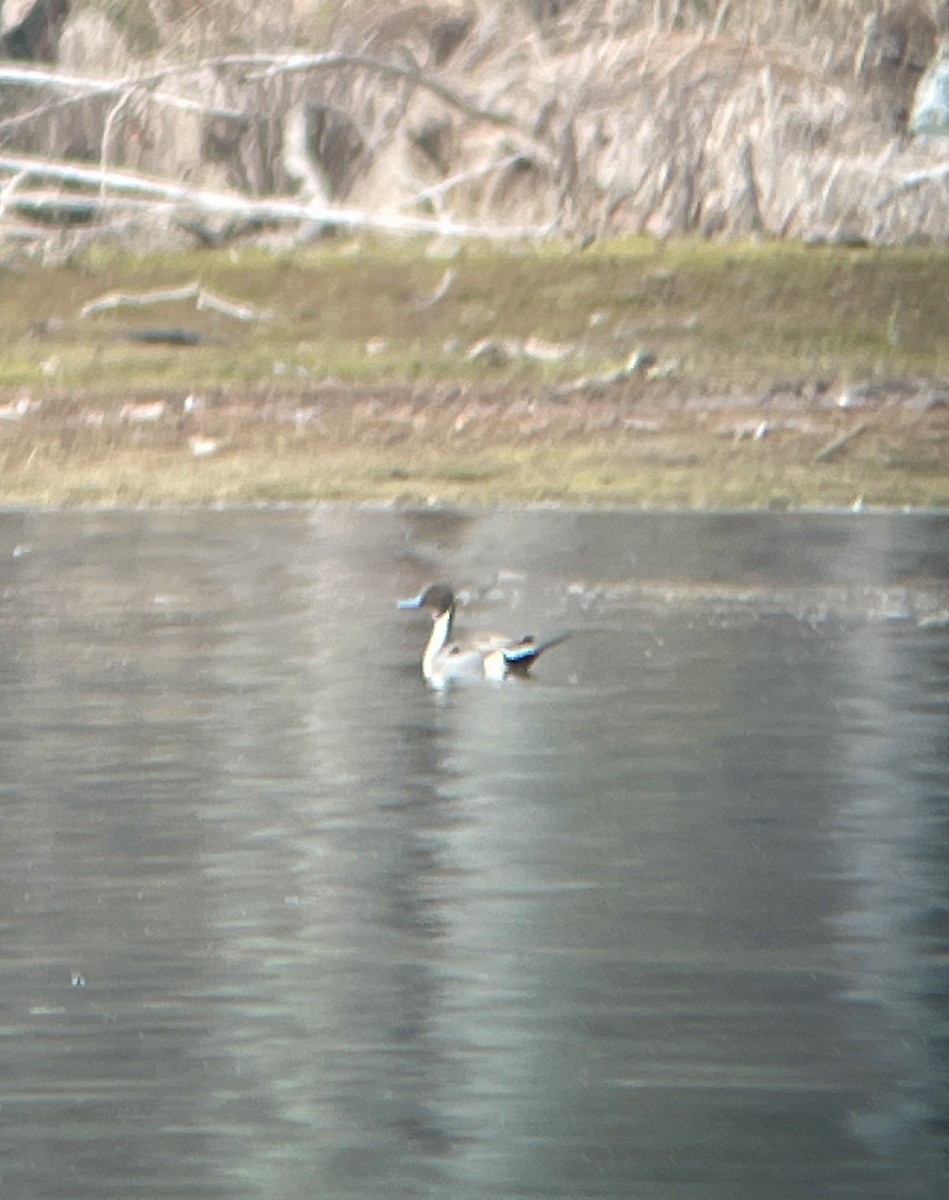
(669, 922)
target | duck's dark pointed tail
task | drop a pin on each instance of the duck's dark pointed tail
(522, 654)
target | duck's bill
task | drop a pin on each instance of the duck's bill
(415, 602)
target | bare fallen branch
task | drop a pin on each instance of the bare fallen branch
(914, 180)
(296, 63)
(56, 80)
(44, 111)
(9, 189)
(261, 66)
(227, 308)
(834, 447)
(439, 293)
(437, 190)
(190, 291)
(270, 209)
(80, 88)
(297, 161)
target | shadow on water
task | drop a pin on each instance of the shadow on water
(668, 921)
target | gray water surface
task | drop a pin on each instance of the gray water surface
(669, 921)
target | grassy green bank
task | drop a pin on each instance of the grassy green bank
(686, 374)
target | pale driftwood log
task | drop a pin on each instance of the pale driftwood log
(172, 196)
(189, 291)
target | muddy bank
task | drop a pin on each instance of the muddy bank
(468, 445)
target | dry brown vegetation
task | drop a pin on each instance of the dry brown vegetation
(580, 117)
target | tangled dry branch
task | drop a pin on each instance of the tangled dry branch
(620, 131)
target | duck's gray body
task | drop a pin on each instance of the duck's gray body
(489, 657)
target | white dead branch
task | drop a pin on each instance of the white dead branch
(296, 63)
(297, 161)
(190, 291)
(9, 190)
(256, 66)
(184, 86)
(616, 131)
(79, 88)
(913, 180)
(437, 191)
(439, 294)
(272, 209)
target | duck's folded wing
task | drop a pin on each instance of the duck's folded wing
(529, 647)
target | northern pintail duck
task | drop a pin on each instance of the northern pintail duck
(487, 657)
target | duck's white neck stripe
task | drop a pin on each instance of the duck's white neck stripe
(438, 638)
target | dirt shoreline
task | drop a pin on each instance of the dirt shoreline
(683, 375)
(629, 443)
